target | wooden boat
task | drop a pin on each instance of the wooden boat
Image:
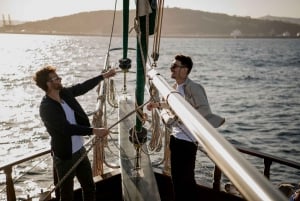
(136, 177)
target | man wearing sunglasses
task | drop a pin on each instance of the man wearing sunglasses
(67, 123)
(183, 145)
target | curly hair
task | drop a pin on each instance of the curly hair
(41, 77)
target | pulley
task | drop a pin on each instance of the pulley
(155, 56)
(138, 138)
(125, 64)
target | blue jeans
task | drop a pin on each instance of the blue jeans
(83, 172)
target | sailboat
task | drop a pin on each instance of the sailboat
(136, 177)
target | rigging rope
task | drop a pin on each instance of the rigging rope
(156, 140)
(155, 143)
(112, 27)
(157, 34)
(98, 157)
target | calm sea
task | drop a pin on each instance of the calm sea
(253, 83)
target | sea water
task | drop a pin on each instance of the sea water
(253, 83)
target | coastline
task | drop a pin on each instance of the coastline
(163, 36)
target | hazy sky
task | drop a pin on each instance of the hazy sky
(44, 9)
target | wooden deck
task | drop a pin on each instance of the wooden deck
(137, 184)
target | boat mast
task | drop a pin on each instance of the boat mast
(125, 28)
(141, 52)
(146, 22)
(138, 179)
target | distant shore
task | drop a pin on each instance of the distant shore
(177, 23)
(163, 36)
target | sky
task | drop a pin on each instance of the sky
(32, 10)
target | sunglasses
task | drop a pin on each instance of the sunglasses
(54, 79)
(174, 65)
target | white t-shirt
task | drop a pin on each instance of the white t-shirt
(179, 130)
(77, 140)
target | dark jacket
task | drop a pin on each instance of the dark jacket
(55, 120)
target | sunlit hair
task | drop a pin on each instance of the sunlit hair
(41, 77)
(185, 61)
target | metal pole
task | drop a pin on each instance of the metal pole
(247, 179)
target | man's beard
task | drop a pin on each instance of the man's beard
(58, 87)
(173, 76)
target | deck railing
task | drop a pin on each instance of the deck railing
(268, 161)
(7, 168)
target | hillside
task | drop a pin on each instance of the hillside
(283, 19)
(176, 22)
